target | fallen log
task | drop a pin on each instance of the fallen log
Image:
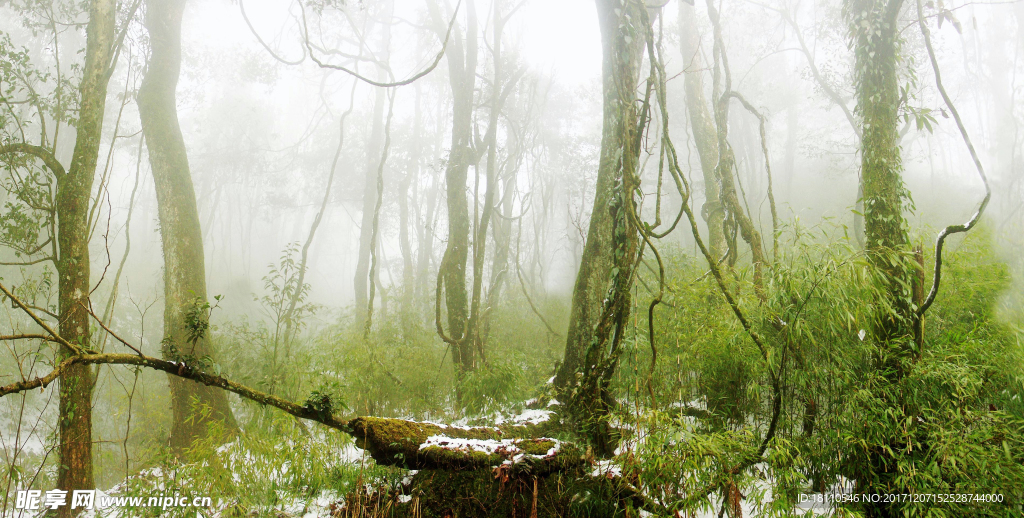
(425, 445)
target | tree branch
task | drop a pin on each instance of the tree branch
(39, 152)
(952, 229)
(180, 370)
(353, 73)
(56, 337)
(107, 329)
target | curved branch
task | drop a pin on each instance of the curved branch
(768, 169)
(832, 94)
(952, 229)
(39, 152)
(353, 73)
(241, 7)
(107, 329)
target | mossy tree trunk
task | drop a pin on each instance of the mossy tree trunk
(703, 125)
(74, 469)
(735, 215)
(601, 295)
(462, 64)
(876, 43)
(182, 239)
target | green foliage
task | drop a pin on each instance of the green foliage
(951, 425)
(491, 388)
(276, 465)
(271, 353)
(284, 299)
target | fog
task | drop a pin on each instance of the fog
(287, 140)
(261, 133)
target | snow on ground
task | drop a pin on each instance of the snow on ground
(527, 417)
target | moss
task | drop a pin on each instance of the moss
(536, 446)
(480, 493)
(396, 442)
(456, 459)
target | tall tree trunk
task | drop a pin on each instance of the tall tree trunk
(792, 120)
(462, 63)
(180, 232)
(875, 36)
(501, 88)
(502, 245)
(405, 244)
(601, 295)
(726, 169)
(362, 275)
(703, 125)
(427, 219)
(74, 469)
(876, 51)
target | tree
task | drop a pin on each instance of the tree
(180, 232)
(72, 204)
(71, 209)
(876, 49)
(462, 63)
(373, 152)
(876, 44)
(601, 295)
(703, 125)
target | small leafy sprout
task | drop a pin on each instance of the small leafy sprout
(321, 404)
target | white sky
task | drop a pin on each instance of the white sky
(562, 36)
(558, 36)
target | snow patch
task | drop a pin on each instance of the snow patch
(508, 448)
(528, 417)
(606, 468)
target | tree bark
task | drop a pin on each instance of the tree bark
(601, 295)
(462, 64)
(74, 469)
(373, 149)
(180, 232)
(622, 49)
(703, 126)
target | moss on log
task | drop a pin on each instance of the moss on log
(422, 445)
(487, 493)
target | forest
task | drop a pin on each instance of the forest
(474, 258)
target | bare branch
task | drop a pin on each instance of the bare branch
(241, 6)
(353, 73)
(57, 338)
(107, 329)
(180, 370)
(952, 229)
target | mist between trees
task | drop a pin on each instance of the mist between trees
(514, 257)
